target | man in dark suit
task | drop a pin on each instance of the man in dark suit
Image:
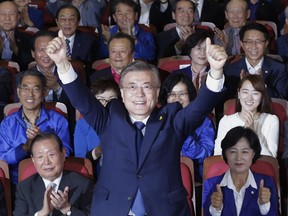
(145, 173)
(171, 42)
(211, 12)
(121, 48)
(82, 45)
(52, 191)
(14, 45)
(254, 39)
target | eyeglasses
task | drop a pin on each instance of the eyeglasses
(27, 90)
(105, 101)
(145, 88)
(249, 43)
(181, 95)
(70, 19)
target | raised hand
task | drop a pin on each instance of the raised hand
(47, 207)
(105, 32)
(221, 35)
(60, 200)
(247, 117)
(217, 57)
(217, 198)
(264, 193)
(56, 50)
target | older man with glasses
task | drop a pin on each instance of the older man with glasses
(141, 143)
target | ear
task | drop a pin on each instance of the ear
(33, 54)
(18, 93)
(173, 15)
(122, 94)
(114, 17)
(226, 15)
(286, 21)
(248, 14)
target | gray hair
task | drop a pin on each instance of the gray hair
(141, 66)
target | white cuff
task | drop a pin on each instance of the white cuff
(68, 77)
(264, 209)
(214, 212)
(215, 85)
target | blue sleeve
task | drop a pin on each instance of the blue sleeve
(36, 16)
(145, 46)
(200, 144)
(85, 138)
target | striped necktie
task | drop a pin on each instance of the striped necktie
(68, 51)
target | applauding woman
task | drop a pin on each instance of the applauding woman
(253, 111)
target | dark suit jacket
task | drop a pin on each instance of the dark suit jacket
(84, 47)
(2, 201)
(249, 206)
(30, 193)
(274, 74)
(213, 12)
(24, 43)
(165, 42)
(157, 174)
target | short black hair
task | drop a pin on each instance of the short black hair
(42, 33)
(130, 3)
(171, 81)
(103, 84)
(254, 26)
(235, 134)
(196, 38)
(121, 35)
(46, 136)
(35, 73)
(68, 6)
(174, 5)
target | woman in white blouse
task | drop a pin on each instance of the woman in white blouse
(253, 111)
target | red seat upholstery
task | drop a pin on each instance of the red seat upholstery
(187, 173)
(5, 180)
(173, 63)
(82, 166)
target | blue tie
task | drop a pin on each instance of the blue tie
(138, 206)
(68, 51)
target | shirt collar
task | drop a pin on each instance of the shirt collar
(115, 75)
(56, 181)
(227, 181)
(144, 120)
(254, 70)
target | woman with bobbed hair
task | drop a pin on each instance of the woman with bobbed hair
(253, 110)
(240, 191)
(178, 87)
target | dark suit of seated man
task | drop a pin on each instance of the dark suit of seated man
(52, 190)
(2, 201)
(140, 176)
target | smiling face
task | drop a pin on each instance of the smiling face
(254, 45)
(48, 159)
(184, 13)
(236, 13)
(31, 93)
(240, 157)
(120, 54)
(139, 102)
(67, 21)
(179, 93)
(124, 16)
(198, 55)
(249, 98)
(8, 16)
(42, 59)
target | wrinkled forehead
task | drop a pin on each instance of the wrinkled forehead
(8, 6)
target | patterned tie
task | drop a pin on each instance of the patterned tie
(138, 206)
(53, 185)
(6, 52)
(68, 51)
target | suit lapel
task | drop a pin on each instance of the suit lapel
(38, 192)
(229, 201)
(250, 194)
(154, 124)
(76, 45)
